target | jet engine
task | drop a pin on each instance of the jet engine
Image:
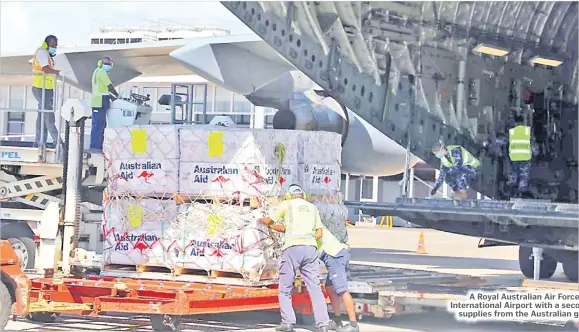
(366, 151)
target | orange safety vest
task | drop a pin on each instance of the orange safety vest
(39, 77)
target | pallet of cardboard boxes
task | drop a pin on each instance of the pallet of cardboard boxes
(184, 200)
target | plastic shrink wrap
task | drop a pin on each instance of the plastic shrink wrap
(148, 166)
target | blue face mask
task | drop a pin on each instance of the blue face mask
(51, 50)
(107, 67)
(438, 155)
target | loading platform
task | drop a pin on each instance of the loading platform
(518, 221)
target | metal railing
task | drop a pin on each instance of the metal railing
(187, 106)
(21, 138)
(57, 102)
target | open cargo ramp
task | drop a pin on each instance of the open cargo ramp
(518, 221)
(398, 64)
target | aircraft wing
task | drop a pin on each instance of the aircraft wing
(200, 56)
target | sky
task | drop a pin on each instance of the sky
(24, 24)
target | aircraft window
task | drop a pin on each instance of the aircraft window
(223, 100)
(16, 116)
(15, 125)
(31, 102)
(14, 128)
(16, 97)
(199, 95)
(3, 96)
(241, 104)
(367, 188)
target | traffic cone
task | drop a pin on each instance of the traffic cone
(421, 249)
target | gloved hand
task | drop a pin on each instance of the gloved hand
(433, 191)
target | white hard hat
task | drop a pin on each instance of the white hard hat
(295, 189)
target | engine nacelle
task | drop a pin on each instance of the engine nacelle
(365, 149)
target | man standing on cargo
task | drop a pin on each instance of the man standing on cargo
(458, 169)
(302, 227)
(336, 257)
(102, 89)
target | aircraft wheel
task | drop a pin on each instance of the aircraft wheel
(527, 264)
(570, 269)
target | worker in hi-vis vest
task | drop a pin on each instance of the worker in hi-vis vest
(102, 91)
(44, 78)
(302, 227)
(336, 256)
(521, 147)
(458, 168)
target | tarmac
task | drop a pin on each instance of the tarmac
(394, 247)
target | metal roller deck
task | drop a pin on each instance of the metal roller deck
(518, 221)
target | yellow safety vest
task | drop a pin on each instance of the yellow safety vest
(39, 80)
(301, 219)
(520, 143)
(99, 89)
(467, 158)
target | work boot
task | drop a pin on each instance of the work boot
(284, 327)
(348, 328)
(333, 326)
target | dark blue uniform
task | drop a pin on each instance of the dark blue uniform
(458, 176)
(519, 170)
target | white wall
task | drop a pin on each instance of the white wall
(388, 191)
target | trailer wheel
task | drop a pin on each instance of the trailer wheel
(570, 269)
(25, 249)
(162, 323)
(527, 264)
(5, 305)
(43, 317)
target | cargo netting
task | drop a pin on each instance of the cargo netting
(187, 199)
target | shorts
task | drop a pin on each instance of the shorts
(337, 270)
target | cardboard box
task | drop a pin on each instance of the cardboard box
(141, 142)
(143, 177)
(235, 179)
